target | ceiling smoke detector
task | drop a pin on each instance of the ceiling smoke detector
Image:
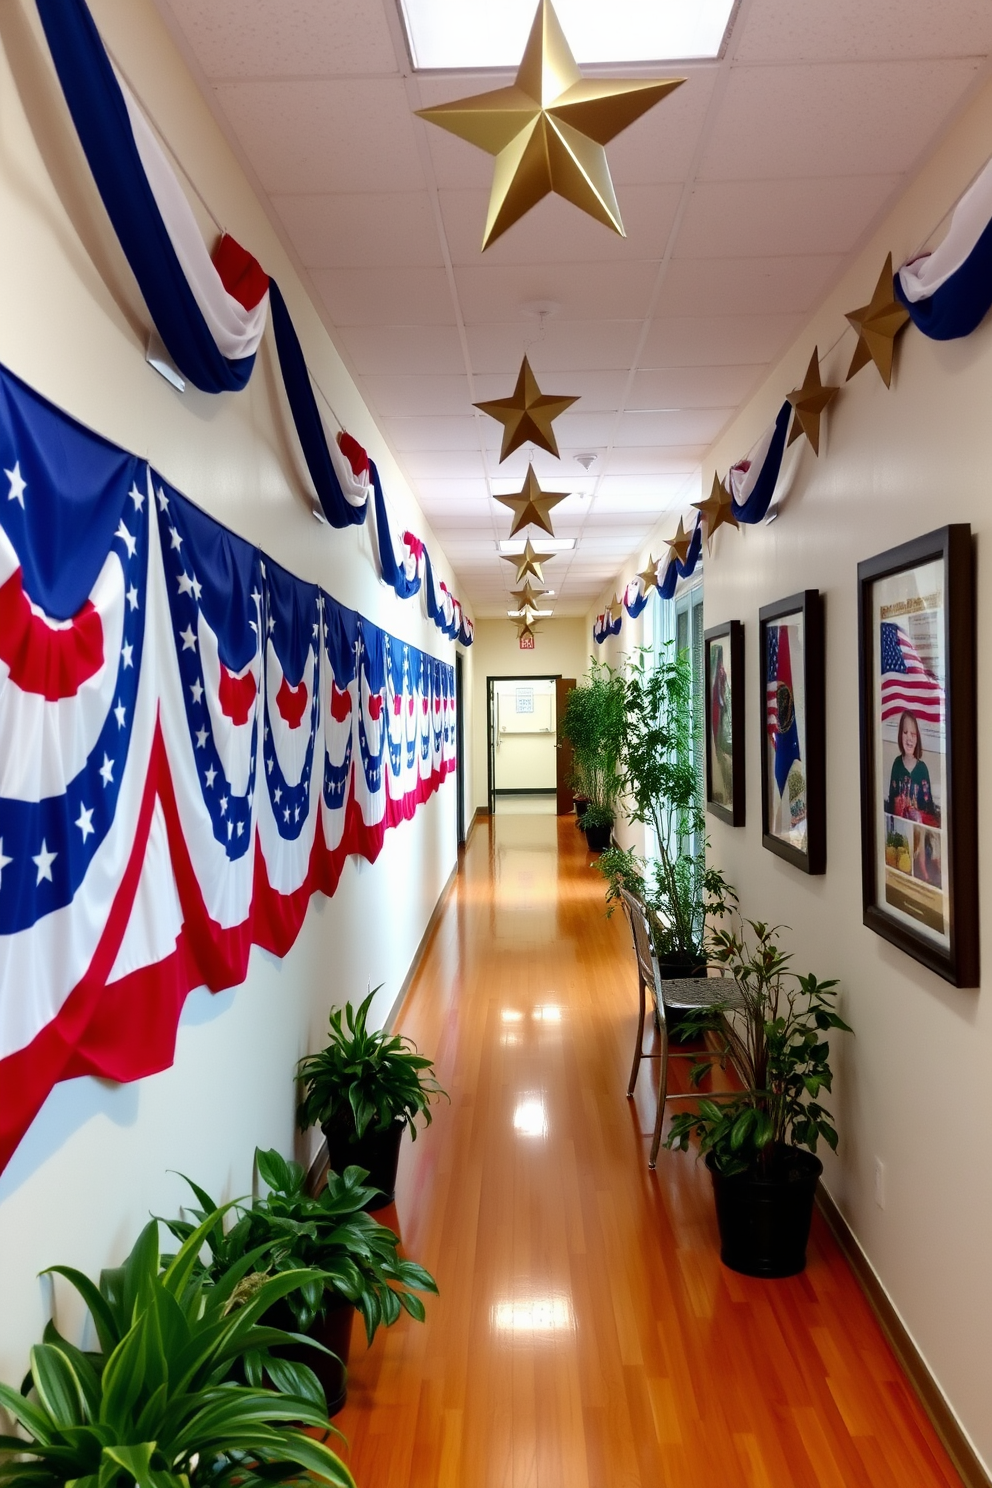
(586, 460)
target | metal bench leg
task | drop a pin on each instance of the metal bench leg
(662, 1095)
(639, 1046)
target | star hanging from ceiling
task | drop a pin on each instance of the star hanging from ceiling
(678, 546)
(527, 630)
(809, 402)
(878, 324)
(649, 577)
(531, 507)
(548, 129)
(717, 509)
(528, 414)
(527, 597)
(528, 562)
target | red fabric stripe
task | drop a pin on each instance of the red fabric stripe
(237, 695)
(340, 703)
(52, 664)
(354, 453)
(292, 702)
(241, 275)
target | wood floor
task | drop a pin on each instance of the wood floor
(586, 1335)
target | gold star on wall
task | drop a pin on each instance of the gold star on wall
(528, 562)
(532, 507)
(878, 324)
(548, 129)
(649, 577)
(678, 546)
(527, 597)
(809, 401)
(527, 416)
(717, 509)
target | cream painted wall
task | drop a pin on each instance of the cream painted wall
(73, 325)
(914, 1087)
(562, 647)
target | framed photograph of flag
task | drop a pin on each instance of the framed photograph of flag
(793, 744)
(919, 840)
(724, 671)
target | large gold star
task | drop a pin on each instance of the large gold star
(528, 562)
(532, 506)
(527, 416)
(678, 546)
(717, 509)
(649, 577)
(548, 129)
(809, 401)
(878, 324)
(527, 597)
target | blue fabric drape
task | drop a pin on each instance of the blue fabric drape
(962, 302)
(754, 508)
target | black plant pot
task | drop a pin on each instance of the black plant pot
(581, 804)
(764, 1221)
(598, 838)
(377, 1151)
(670, 968)
(333, 1330)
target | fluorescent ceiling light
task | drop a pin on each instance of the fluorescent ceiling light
(538, 614)
(546, 544)
(476, 33)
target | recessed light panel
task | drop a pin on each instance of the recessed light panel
(460, 34)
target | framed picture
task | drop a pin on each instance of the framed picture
(724, 671)
(793, 745)
(919, 842)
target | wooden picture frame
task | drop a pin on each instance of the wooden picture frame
(793, 730)
(723, 670)
(917, 671)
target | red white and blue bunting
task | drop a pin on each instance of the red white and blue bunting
(192, 741)
(211, 312)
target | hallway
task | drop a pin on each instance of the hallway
(586, 1335)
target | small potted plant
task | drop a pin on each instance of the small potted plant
(593, 722)
(364, 1089)
(760, 1146)
(346, 1260)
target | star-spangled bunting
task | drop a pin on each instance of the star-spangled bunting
(548, 129)
(878, 324)
(528, 414)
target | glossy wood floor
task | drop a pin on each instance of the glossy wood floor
(586, 1335)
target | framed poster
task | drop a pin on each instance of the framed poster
(793, 744)
(919, 843)
(724, 672)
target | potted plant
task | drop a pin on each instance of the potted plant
(760, 1146)
(346, 1260)
(156, 1405)
(593, 723)
(364, 1088)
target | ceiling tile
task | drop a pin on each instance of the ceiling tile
(439, 492)
(394, 349)
(661, 145)
(433, 433)
(385, 296)
(399, 397)
(688, 425)
(769, 218)
(735, 286)
(489, 292)
(275, 38)
(597, 391)
(607, 344)
(436, 464)
(819, 120)
(724, 340)
(851, 30)
(363, 230)
(693, 387)
(558, 232)
(674, 460)
(310, 137)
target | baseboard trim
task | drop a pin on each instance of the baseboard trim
(960, 1450)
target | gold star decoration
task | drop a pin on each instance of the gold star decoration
(717, 509)
(527, 598)
(528, 562)
(527, 416)
(649, 577)
(678, 546)
(548, 129)
(527, 630)
(809, 402)
(878, 324)
(532, 506)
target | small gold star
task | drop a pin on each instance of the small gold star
(527, 416)
(527, 596)
(717, 509)
(678, 546)
(878, 324)
(649, 577)
(527, 630)
(548, 129)
(532, 506)
(528, 562)
(809, 401)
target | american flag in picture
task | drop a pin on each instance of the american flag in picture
(907, 685)
(771, 687)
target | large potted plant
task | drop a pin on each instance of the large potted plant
(364, 1089)
(593, 723)
(346, 1260)
(157, 1403)
(760, 1146)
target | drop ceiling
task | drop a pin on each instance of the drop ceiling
(744, 194)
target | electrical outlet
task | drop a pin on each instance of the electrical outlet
(879, 1183)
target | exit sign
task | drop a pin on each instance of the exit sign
(527, 642)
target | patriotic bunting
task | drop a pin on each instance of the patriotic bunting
(192, 741)
(948, 292)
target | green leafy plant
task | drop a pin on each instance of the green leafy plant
(364, 1078)
(156, 1405)
(593, 723)
(779, 1044)
(327, 1241)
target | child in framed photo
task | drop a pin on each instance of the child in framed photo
(910, 791)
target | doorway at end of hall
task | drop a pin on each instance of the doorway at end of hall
(527, 758)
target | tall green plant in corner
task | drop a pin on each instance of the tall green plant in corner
(593, 723)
